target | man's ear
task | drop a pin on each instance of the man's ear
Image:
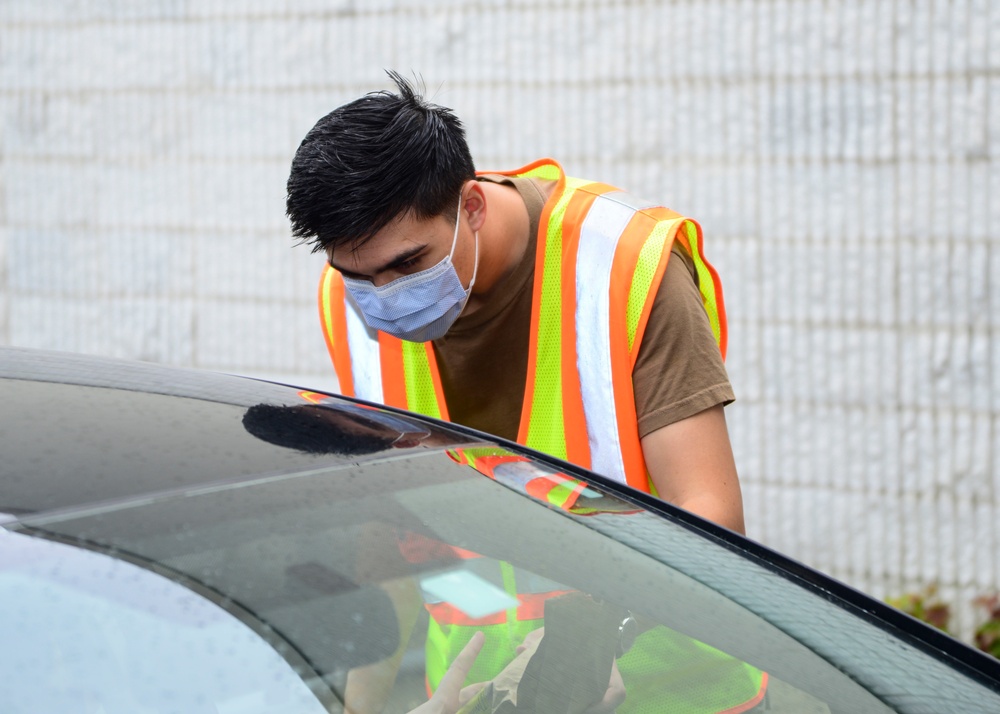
(474, 204)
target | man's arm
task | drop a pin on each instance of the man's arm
(692, 466)
(367, 688)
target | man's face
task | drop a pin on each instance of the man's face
(405, 246)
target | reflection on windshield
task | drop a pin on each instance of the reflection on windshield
(85, 632)
(372, 578)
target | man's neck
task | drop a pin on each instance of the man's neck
(503, 241)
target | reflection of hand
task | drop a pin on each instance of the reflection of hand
(614, 695)
(530, 640)
(450, 695)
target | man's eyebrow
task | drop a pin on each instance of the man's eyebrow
(392, 263)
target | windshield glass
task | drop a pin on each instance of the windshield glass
(364, 581)
(85, 625)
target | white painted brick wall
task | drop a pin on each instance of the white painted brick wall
(843, 158)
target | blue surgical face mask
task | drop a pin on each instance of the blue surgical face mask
(419, 307)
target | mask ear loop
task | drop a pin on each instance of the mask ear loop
(454, 244)
(454, 238)
(475, 268)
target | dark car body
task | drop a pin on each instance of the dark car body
(162, 551)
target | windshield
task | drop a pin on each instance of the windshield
(86, 626)
(362, 582)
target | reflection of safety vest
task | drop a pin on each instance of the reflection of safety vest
(600, 258)
(664, 670)
(525, 476)
(449, 629)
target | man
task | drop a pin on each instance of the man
(561, 313)
(431, 253)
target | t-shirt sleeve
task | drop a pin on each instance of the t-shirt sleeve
(679, 370)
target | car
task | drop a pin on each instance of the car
(177, 540)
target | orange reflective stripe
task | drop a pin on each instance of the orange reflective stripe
(333, 317)
(556, 489)
(545, 169)
(751, 703)
(391, 364)
(486, 465)
(660, 214)
(559, 491)
(626, 256)
(712, 295)
(720, 308)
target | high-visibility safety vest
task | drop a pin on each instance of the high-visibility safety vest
(600, 257)
(601, 254)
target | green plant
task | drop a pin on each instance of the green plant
(924, 605)
(988, 634)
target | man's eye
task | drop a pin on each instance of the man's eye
(408, 263)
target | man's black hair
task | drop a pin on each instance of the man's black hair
(374, 159)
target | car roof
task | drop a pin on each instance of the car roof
(78, 430)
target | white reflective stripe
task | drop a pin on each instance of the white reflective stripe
(366, 365)
(599, 235)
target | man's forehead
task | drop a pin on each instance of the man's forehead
(400, 236)
(362, 250)
(360, 247)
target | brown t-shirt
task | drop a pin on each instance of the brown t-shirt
(483, 359)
